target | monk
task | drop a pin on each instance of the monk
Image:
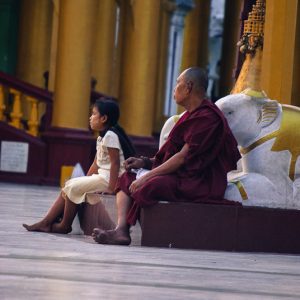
(191, 166)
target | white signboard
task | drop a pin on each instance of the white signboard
(14, 157)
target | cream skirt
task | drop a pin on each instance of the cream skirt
(85, 189)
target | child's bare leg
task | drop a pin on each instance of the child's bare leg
(120, 235)
(65, 226)
(54, 212)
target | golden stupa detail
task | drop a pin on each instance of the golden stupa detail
(251, 44)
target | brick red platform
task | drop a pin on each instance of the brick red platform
(221, 227)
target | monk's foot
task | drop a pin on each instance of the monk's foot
(41, 226)
(60, 228)
(117, 236)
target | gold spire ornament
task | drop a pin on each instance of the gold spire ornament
(251, 44)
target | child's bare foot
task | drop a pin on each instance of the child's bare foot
(60, 228)
(41, 226)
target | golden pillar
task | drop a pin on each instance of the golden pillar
(295, 96)
(280, 63)
(195, 40)
(16, 113)
(53, 48)
(104, 49)
(119, 38)
(34, 41)
(139, 66)
(159, 118)
(232, 25)
(33, 46)
(73, 68)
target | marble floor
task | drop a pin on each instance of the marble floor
(52, 266)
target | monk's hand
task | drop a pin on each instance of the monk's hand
(135, 185)
(133, 163)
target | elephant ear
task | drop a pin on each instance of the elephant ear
(269, 112)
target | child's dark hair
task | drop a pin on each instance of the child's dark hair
(110, 108)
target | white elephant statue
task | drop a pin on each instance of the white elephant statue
(269, 139)
(168, 126)
(268, 136)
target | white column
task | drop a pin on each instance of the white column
(175, 52)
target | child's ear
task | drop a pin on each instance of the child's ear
(104, 118)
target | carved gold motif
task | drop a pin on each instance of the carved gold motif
(253, 35)
(259, 142)
(2, 105)
(287, 137)
(254, 93)
(241, 188)
(251, 44)
(33, 122)
(16, 113)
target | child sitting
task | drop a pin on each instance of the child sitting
(113, 146)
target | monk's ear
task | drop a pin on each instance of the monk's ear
(189, 85)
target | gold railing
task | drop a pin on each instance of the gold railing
(22, 105)
(12, 104)
(27, 107)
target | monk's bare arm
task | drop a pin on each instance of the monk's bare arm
(171, 165)
(93, 168)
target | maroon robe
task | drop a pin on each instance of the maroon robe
(212, 154)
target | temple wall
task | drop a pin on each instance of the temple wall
(123, 45)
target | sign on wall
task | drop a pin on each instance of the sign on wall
(14, 157)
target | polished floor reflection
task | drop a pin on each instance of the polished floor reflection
(49, 266)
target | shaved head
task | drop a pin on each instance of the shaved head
(198, 77)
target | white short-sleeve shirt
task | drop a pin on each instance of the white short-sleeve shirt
(110, 140)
